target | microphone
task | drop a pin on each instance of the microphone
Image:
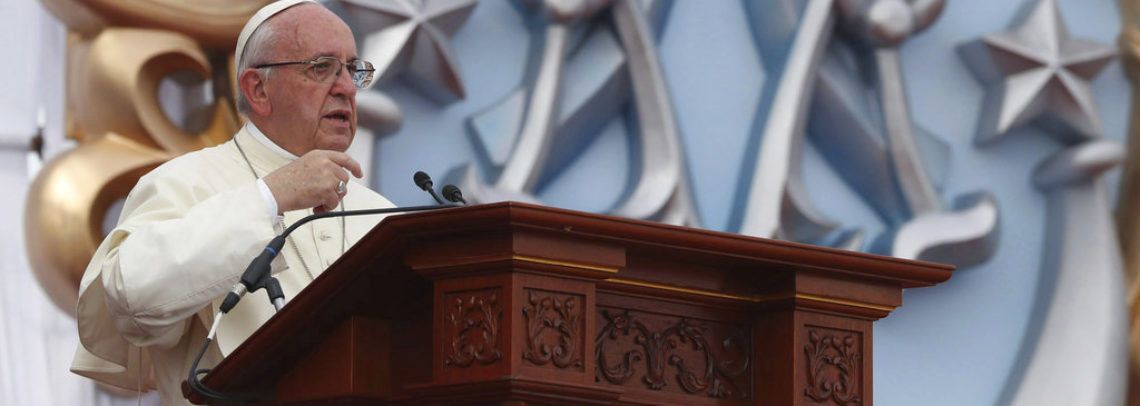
(255, 274)
(453, 194)
(424, 182)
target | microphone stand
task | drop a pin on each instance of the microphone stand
(257, 275)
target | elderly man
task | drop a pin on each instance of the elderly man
(189, 228)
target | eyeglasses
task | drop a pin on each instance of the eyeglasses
(325, 69)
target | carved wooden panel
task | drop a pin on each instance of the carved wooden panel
(555, 328)
(673, 354)
(834, 363)
(472, 321)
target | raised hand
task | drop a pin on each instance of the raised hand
(312, 181)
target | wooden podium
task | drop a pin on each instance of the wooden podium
(519, 304)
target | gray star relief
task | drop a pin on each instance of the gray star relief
(410, 39)
(1036, 74)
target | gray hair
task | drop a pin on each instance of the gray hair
(255, 52)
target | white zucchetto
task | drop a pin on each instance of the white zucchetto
(255, 21)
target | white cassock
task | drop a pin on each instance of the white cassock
(187, 231)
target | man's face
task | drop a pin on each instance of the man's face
(308, 114)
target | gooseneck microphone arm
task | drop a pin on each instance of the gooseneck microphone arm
(256, 275)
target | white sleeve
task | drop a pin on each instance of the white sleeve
(270, 201)
(179, 247)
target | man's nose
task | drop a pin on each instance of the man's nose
(343, 84)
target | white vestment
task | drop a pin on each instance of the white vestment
(187, 231)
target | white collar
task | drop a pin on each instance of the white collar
(268, 143)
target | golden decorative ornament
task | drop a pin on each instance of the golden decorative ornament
(123, 71)
(119, 54)
(213, 23)
(1128, 199)
(67, 203)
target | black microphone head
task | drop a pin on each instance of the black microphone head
(422, 180)
(453, 194)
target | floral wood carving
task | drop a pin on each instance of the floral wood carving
(550, 314)
(833, 365)
(684, 345)
(474, 329)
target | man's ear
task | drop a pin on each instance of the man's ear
(252, 85)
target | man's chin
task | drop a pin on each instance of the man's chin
(335, 142)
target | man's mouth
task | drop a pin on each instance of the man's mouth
(338, 117)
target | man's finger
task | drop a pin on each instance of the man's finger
(332, 200)
(341, 174)
(347, 162)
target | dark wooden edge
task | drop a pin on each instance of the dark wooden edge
(909, 273)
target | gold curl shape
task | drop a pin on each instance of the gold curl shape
(119, 89)
(213, 23)
(1128, 198)
(67, 203)
(123, 134)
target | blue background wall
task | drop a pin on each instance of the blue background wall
(958, 343)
